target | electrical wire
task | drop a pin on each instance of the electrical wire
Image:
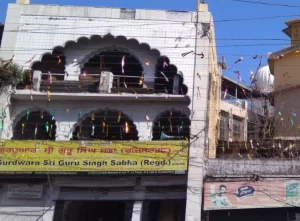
(267, 3)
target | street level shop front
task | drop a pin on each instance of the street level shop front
(93, 180)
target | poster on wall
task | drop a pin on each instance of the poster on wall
(246, 195)
(23, 191)
(93, 157)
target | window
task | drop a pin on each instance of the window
(237, 127)
(251, 131)
(224, 127)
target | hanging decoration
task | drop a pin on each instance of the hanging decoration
(31, 97)
(225, 94)
(53, 114)
(244, 92)
(126, 127)
(93, 129)
(119, 117)
(165, 64)
(170, 121)
(166, 78)
(58, 59)
(30, 60)
(49, 94)
(239, 60)
(123, 64)
(147, 62)
(239, 76)
(3, 113)
(201, 55)
(27, 114)
(23, 126)
(107, 126)
(47, 126)
(142, 79)
(186, 53)
(147, 120)
(50, 131)
(67, 110)
(35, 130)
(42, 114)
(103, 126)
(49, 79)
(2, 119)
(93, 116)
(8, 61)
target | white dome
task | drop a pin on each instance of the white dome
(264, 80)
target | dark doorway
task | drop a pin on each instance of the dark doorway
(171, 210)
(91, 211)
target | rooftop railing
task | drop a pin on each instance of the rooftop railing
(233, 100)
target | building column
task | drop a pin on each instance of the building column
(128, 211)
(137, 211)
(48, 213)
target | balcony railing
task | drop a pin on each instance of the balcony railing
(233, 100)
(279, 149)
(106, 82)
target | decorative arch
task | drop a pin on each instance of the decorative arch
(34, 124)
(161, 85)
(165, 75)
(110, 60)
(53, 62)
(105, 124)
(171, 125)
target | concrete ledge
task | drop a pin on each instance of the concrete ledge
(264, 167)
(26, 95)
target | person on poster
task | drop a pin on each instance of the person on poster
(220, 199)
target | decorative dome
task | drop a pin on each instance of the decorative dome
(264, 80)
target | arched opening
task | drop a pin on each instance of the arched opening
(127, 76)
(52, 62)
(171, 125)
(35, 125)
(105, 124)
(167, 79)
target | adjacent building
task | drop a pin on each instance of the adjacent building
(1, 32)
(113, 122)
(258, 178)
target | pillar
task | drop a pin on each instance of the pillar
(128, 211)
(48, 213)
(137, 211)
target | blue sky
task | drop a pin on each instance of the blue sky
(228, 34)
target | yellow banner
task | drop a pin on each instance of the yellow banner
(93, 157)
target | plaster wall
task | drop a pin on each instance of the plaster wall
(245, 167)
(14, 209)
(286, 103)
(286, 72)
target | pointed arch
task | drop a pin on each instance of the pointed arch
(34, 124)
(105, 124)
(171, 125)
(53, 62)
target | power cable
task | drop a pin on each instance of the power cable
(268, 4)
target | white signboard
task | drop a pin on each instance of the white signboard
(25, 191)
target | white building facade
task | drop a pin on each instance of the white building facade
(101, 76)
